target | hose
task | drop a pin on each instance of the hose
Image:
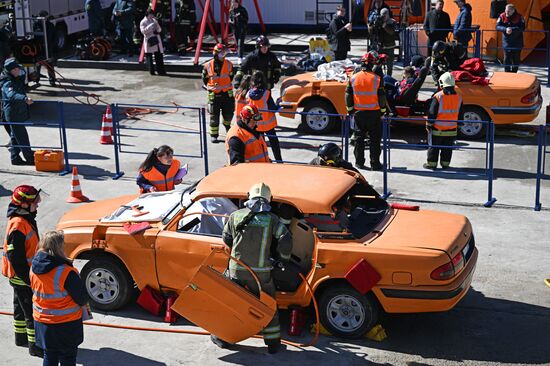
(312, 342)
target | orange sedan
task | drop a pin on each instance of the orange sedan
(507, 99)
(419, 260)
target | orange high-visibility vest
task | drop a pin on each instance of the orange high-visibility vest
(365, 91)
(219, 83)
(31, 243)
(255, 149)
(160, 181)
(240, 102)
(447, 114)
(269, 120)
(51, 303)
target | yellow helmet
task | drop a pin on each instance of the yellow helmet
(260, 190)
(446, 80)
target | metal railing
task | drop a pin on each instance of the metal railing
(489, 155)
(201, 132)
(58, 123)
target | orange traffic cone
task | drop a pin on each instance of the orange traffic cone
(106, 128)
(76, 193)
(109, 118)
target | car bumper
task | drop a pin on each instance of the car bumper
(427, 298)
(506, 115)
(290, 107)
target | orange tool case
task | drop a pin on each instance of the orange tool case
(49, 160)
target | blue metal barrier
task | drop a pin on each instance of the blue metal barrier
(542, 151)
(387, 145)
(200, 132)
(344, 131)
(59, 124)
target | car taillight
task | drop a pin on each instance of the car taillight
(443, 272)
(530, 98)
(448, 270)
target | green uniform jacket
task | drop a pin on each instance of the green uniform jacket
(252, 244)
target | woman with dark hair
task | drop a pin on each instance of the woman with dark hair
(160, 171)
(152, 42)
(260, 96)
(240, 95)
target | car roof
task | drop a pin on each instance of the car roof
(311, 189)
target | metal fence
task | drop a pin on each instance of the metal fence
(388, 145)
(58, 123)
(178, 129)
(542, 151)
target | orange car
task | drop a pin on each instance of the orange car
(507, 99)
(425, 259)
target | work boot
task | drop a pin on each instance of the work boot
(445, 165)
(214, 139)
(274, 348)
(21, 340)
(18, 161)
(219, 342)
(360, 166)
(430, 165)
(376, 166)
(36, 351)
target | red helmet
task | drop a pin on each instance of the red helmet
(250, 111)
(370, 57)
(24, 194)
(219, 49)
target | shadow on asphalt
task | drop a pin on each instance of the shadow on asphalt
(464, 173)
(106, 356)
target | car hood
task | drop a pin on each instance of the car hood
(89, 214)
(427, 230)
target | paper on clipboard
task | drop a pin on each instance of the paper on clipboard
(182, 172)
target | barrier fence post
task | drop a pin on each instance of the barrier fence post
(490, 199)
(540, 154)
(114, 111)
(385, 147)
(63, 138)
(477, 50)
(202, 120)
(346, 137)
(547, 59)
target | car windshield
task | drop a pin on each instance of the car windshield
(150, 207)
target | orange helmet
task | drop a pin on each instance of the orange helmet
(24, 194)
(250, 111)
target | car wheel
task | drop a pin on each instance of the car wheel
(473, 130)
(108, 284)
(318, 123)
(345, 313)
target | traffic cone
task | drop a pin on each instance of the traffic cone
(106, 130)
(76, 193)
(109, 118)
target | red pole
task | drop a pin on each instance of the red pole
(260, 18)
(201, 32)
(212, 30)
(222, 21)
(226, 30)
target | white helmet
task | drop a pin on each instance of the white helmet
(446, 80)
(260, 190)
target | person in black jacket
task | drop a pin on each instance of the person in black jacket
(262, 59)
(462, 29)
(330, 154)
(512, 25)
(437, 25)
(339, 32)
(238, 17)
(58, 324)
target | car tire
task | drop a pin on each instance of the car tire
(345, 313)
(472, 130)
(108, 283)
(322, 124)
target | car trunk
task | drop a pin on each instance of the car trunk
(428, 230)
